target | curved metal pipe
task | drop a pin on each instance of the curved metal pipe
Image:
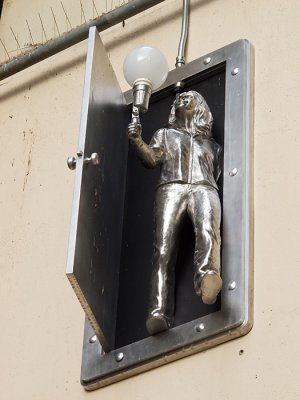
(75, 36)
(180, 59)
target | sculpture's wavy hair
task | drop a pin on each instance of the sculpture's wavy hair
(202, 119)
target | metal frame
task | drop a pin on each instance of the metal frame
(236, 315)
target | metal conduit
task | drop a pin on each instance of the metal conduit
(180, 59)
(75, 36)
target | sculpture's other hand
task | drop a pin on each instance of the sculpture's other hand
(134, 132)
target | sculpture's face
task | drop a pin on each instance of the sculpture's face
(185, 101)
(190, 111)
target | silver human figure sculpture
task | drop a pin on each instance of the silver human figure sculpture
(190, 167)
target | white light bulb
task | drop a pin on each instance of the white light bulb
(146, 63)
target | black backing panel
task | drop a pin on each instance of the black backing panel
(137, 242)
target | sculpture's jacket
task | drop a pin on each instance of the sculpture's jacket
(185, 158)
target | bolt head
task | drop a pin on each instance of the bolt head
(232, 285)
(233, 172)
(119, 356)
(200, 327)
(93, 339)
(235, 71)
(207, 60)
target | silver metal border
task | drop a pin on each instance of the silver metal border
(236, 315)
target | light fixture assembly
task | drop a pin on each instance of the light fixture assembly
(145, 69)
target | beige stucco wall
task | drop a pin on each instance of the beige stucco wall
(41, 320)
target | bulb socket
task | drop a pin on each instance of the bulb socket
(142, 90)
(179, 87)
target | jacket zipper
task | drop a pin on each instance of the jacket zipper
(190, 160)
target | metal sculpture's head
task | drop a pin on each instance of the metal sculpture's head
(192, 105)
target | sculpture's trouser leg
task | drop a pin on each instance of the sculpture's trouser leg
(169, 209)
(172, 201)
(204, 209)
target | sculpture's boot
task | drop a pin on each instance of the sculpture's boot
(157, 323)
(208, 287)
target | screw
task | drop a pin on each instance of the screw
(232, 285)
(235, 71)
(93, 339)
(119, 357)
(233, 172)
(200, 327)
(207, 60)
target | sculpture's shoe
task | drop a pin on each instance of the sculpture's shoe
(157, 323)
(210, 286)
